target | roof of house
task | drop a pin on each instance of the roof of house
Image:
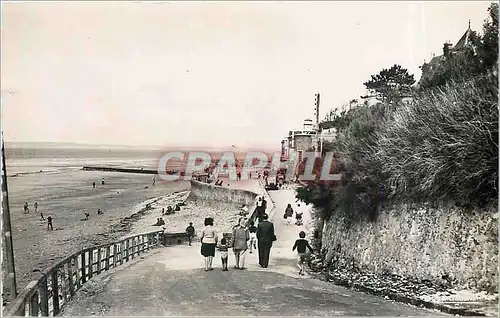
(464, 40)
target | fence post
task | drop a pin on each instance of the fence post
(139, 245)
(63, 283)
(127, 250)
(115, 254)
(78, 275)
(108, 256)
(122, 252)
(44, 298)
(34, 305)
(157, 239)
(133, 247)
(84, 274)
(99, 260)
(55, 291)
(70, 278)
(91, 263)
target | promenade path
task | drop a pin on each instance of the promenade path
(172, 282)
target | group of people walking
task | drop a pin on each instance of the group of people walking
(244, 238)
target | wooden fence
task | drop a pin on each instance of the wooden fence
(59, 283)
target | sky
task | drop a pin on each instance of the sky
(204, 74)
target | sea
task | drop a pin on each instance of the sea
(21, 161)
(56, 158)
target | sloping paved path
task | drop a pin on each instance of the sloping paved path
(172, 282)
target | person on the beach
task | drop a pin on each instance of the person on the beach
(87, 215)
(99, 212)
(26, 207)
(253, 236)
(49, 223)
(301, 244)
(35, 206)
(169, 210)
(102, 181)
(265, 239)
(238, 176)
(289, 214)
(177, 208)
(190, 232)
(241, 235)
(208, 243)
(223, 249)
(93, 184)
(41, 216)
(162, 211)
(154, 181)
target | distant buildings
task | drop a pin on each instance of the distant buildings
(305, 139)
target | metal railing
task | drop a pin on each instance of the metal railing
(59, 283)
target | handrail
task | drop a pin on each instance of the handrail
(59, 282)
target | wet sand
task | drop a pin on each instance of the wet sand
(66, 196)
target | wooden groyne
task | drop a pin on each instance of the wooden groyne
(126, 170)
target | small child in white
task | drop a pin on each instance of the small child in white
(301, 244)
(223, 248)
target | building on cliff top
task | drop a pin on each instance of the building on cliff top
(303, 140)
(428, 69)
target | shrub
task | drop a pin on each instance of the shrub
(357, 194)
(445, 144)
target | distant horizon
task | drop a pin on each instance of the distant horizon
(48, 144)
(220, 74)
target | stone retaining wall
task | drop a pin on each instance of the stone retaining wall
(442, 244)
(218, 194)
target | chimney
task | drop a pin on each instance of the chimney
(446, 49)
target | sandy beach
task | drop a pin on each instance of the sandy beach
(225, 215)
(66, 196)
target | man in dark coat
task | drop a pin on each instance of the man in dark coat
(265, 239)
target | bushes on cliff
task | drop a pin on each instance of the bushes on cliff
(445, 144)
(442, 145)
(357, 194)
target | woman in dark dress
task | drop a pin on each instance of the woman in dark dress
(208, 243)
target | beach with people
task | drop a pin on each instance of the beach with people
(71, 198)
(67, 197)
(88, 208)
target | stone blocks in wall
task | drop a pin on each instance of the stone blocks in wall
(424, 243)
(212, 193)
(169, 239)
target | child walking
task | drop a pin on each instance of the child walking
(289, 214)
(301, 244)
(223, 248)
(253, 236)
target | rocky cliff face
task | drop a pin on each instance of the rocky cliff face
(445, 245)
